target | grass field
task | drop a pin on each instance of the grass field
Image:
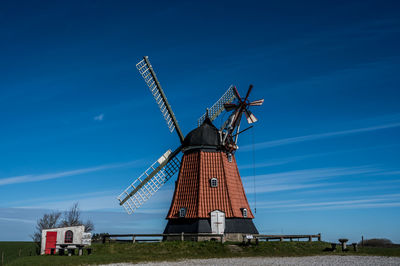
(141, 252)
(14, 250)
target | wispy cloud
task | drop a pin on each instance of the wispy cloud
(100, 203)
(303, 179)
(106, 202)
(17, 220)
(274, 162)
(287, 160)
(99, 117)
(99, 200)
(287, 141)
(373, 201)
(36, 201)
(396, 173)
(41, 177)
(313, 174)
(287, 187)
(351, 188)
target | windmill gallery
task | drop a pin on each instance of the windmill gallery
(209, 197)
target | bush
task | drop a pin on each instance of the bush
(377, 242)
(98, 237)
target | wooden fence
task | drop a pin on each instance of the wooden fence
(283, 237)
(180, 236)
(183, 236)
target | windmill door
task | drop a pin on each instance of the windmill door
(217, 222)
(51, 241)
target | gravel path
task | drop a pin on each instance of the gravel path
(281, 261)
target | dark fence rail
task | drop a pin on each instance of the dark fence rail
(183, 236)
(283, 237)
(180, 236)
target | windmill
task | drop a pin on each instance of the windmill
(209, 195)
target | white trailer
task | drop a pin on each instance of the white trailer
(72, 235)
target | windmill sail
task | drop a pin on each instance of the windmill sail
(150, 181)
(149, 76)
(218, 107)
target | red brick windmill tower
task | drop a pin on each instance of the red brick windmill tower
(209, 195)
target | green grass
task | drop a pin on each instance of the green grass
(12, 250)
(141, 252)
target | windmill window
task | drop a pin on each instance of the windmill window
(230, 157)
(182, 212)
(69, 236)
(214, 182)
(244, 212)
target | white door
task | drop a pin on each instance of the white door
(217, 222)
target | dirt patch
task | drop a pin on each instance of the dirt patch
(235, 248)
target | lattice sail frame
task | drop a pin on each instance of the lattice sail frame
(144, 70)
(151, 186)
(218, 107)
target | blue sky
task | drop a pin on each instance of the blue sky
(79, 124)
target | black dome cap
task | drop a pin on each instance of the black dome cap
(205, 136)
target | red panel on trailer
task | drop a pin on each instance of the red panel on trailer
(51, 241)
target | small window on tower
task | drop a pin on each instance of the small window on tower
(230, 157)
(214, 182)
(244, 212)
(182, 212)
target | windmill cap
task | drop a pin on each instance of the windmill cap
(206, 136)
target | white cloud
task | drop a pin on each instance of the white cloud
(373, 201)
(99, 117)
(65, 197)
(286, 160)
(286, 187)
(287, 141)
(100, 200)
(312, 174)
(350, 189)
(303, 179)
(13, 220)
(272, 162)
(41, 177)
(85, 203)
(396, 173)
(107, 201)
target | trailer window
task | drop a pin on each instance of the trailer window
(69, 236)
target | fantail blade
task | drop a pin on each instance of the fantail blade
(257, 102)
(250, 117)
(248, 92)
(237, 94)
